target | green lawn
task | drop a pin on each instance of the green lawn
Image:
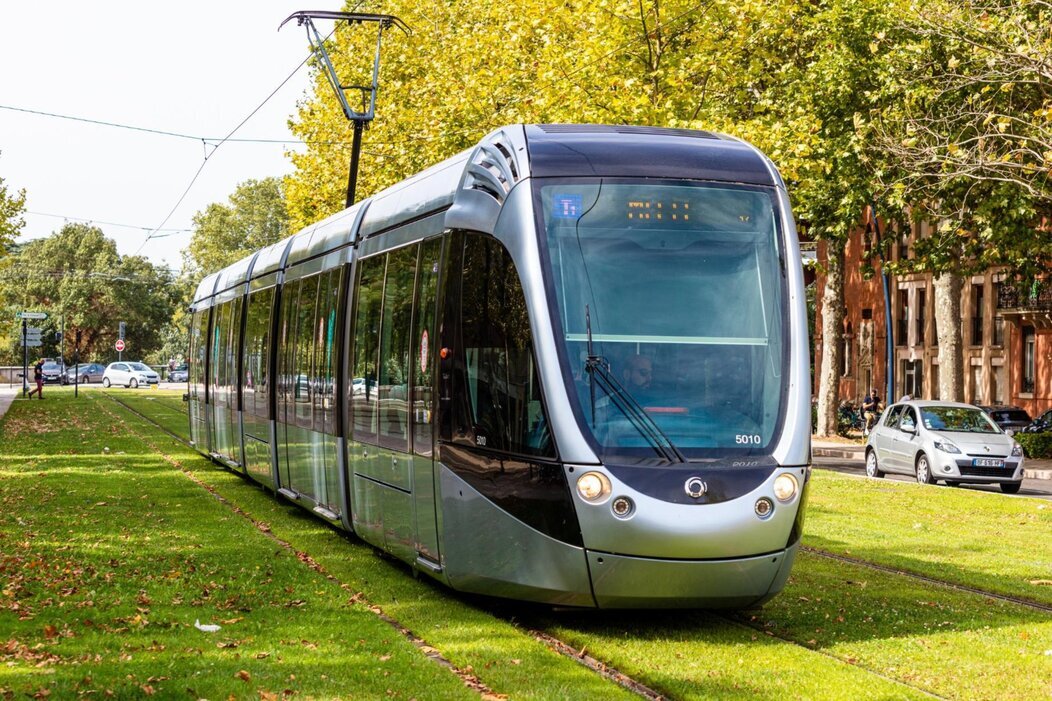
(104, 598)
(989, 541)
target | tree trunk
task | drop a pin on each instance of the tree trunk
(948, 326)
(832, 330)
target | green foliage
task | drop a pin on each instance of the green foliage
(225, 233)
(12, 206)
(76, 273)
(1035, 445)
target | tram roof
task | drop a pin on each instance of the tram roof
(539, 150)
(577, 150)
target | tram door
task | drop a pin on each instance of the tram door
(422, 401)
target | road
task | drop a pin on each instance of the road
(1042, 489)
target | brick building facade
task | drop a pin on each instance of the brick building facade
(1006, 334)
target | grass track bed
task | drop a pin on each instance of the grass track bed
(837, 631)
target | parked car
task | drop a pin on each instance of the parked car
(1009, 418)
(87, 372)
(129, 375)
(53, 371)
(180, 373)
(1040, 424)
(946, 441)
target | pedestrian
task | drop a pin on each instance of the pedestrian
(38, 377)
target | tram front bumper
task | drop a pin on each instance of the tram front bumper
(620, 581)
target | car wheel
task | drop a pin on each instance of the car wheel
(924, 475)
(133, 383)
(1011, 487)
(105, 382)
(872, 467)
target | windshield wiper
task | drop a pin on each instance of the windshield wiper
(599, 374)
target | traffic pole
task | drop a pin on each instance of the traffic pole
(25, 359)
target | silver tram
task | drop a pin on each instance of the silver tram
(568, 365)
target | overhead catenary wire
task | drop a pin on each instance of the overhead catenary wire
(159, 227)
(174, 134)
(107, 223)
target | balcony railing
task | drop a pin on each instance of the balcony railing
(1030, 298)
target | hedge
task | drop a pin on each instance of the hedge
(1036, 445)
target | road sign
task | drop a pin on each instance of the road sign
(32, 344)
(119, 345)
(30, 315)
(33, 333)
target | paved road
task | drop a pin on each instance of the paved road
(1039, 488)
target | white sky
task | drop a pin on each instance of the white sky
(191, 67)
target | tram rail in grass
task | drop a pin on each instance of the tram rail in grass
(846, 613)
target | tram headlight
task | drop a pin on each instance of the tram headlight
(593, 486)
(764, 507)
(785, 487)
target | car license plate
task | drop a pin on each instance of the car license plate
(987, 462)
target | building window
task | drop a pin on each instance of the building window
(921, 317)
(977, 315)
(999, 331)
(978, 395)
(1029, 347)
(902, 326)
(999, 384)
(904, 245)
(934, 381)
(913, 378)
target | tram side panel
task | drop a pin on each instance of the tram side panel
(306, 421)
(199, 335)
(225, 335)
(256, 385)
(508, 524)
(390, 446)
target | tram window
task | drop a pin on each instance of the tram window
(286, 371)
(254, 380)
(425, 340)
(394, 348)
(503, 390)
(220, 320)
(305, 378)
(324, 354)
(199, 353)
(369, 294)
(230, 371)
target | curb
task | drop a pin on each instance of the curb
(856, 454)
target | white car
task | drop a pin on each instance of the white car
(129, 375)
(955, 443)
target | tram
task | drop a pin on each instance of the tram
(568, 365)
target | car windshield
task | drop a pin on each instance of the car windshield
(51, 366)
(1017, 415)
(138, 367)
(957, 419)
(671, 305)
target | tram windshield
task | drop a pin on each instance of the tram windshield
(670, 300)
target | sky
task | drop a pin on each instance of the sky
(189, 67)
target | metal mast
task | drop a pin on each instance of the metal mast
(366, 93)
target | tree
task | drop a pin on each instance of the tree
(225, 233)
(76, 276)
(795, 78)
(965, 142)
(12, 206)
